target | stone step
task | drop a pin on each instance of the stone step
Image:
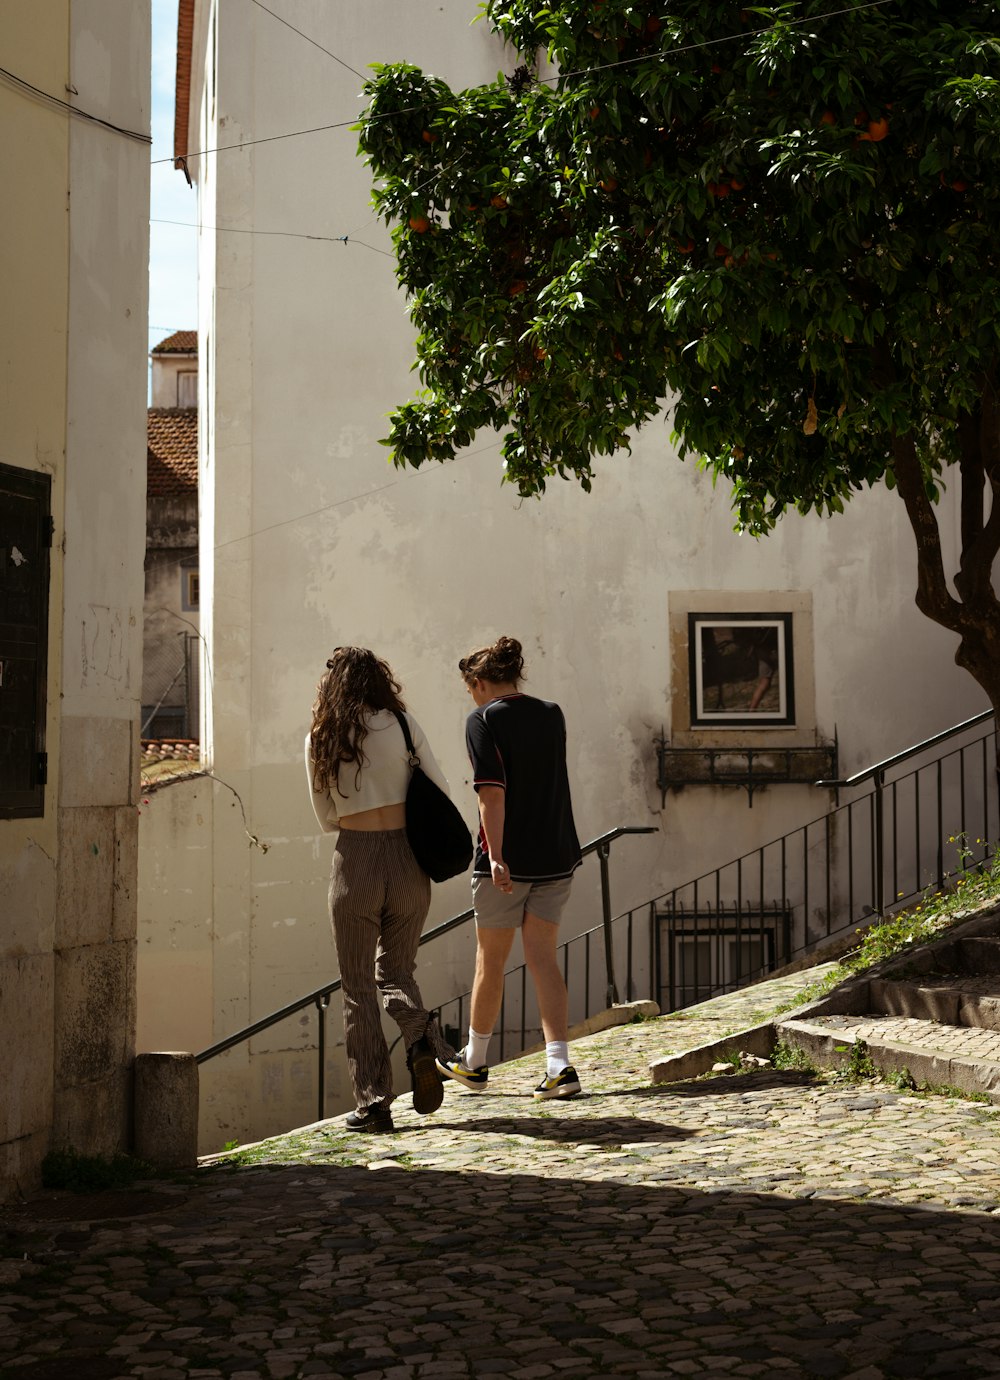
(951, 999)
(978, 955)
(942, 1055)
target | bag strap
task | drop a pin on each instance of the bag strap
(401, 720)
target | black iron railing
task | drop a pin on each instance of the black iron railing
(320, 998)
(736, 924)
(592, 986)
(739, 922)
(869, 856)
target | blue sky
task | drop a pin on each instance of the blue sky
(173, 263)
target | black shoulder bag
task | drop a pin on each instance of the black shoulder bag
(438, 834)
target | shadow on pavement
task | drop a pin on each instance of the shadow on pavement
(318, 1269)
(726, 1083)
(579, 1129)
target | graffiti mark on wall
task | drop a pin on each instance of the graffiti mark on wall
(103, 648)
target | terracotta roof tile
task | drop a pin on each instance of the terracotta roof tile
(180, 343)
(182, 83)
(171, 451)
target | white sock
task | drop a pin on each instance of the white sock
(474, 1053)
(556, 1057)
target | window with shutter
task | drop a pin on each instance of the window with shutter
(25, 541)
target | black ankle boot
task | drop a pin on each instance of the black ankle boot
(376, 1119)
(425, 1080)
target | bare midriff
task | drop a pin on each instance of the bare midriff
(383, 817)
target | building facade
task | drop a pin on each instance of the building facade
(170, 651)
(634, 603)
(75, 241)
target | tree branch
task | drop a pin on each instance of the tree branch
(980, 446)
(933, 597)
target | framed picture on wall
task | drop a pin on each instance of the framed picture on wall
(741, 670)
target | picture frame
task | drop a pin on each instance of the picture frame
(741, 670)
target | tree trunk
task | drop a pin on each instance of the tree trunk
(973, 611)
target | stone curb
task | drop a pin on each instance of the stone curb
(692, 1063)
(923, 1064)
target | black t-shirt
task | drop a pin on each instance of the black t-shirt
(519, 742)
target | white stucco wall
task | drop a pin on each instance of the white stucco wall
(309, 539)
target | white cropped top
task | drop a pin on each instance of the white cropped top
(384, 776)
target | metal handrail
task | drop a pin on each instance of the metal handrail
(877, 773)
(320, 998)
(871, 772)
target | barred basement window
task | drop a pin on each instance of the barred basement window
(25, 541)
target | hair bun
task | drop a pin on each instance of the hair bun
(501, 663)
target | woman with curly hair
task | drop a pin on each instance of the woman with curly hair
(527, 854)
(359, 771)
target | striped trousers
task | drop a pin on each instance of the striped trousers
(379, 898)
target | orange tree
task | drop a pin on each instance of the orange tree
(785, 219)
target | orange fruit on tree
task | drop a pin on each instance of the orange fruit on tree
(420, 224)
(498, 201)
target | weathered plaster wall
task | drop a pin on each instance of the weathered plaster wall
(310, 540)
(72, 403)
(33, 428)
(171, 550)
(175, 932)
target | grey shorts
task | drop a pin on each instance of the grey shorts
(499, 910)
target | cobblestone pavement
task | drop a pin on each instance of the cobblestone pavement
(771, 1225)
(962, 1041)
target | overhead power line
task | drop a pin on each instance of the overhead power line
(287, 234)
(275, 138)
(294, 30)
(712, 42)
(74, 109)
(542, 81)
(356, 498)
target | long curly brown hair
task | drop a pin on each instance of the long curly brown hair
(356, 684)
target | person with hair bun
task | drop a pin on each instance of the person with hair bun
(527, 853)
(359, 770)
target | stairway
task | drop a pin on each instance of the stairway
(933, 1014)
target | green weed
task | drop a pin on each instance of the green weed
(788, 1056)
(813, 991)
(859, 1062)
(972, 886)
(947, 1090)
